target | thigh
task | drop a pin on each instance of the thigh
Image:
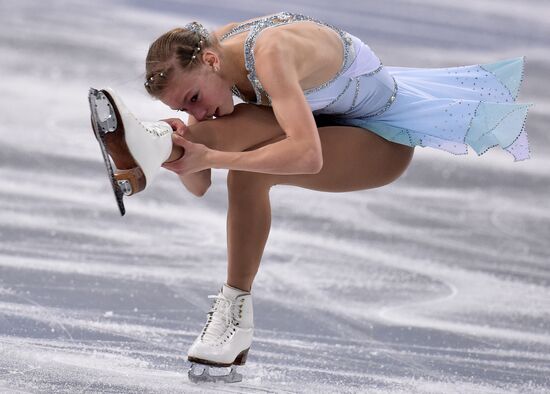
(353, 159)
(246, 128)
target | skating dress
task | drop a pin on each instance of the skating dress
(443, 108)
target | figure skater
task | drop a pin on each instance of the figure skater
(328, 116)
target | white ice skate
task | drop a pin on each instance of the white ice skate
(225, 339)
(137, 148)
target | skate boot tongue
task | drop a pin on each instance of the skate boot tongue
(223, 314)
(232, 292)
(225, 338)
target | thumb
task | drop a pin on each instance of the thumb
(172, 166)
(180, 141)
(172, 122)
(181, 129)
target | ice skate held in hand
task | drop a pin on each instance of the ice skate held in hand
(136, 148)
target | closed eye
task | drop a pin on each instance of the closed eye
(194, 99)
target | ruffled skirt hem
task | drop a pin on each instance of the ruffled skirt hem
(453, 108)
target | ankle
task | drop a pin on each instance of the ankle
(236, 287)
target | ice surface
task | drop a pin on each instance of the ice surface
(439, 282)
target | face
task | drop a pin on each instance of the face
(201, 92)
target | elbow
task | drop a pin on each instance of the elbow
(201, 191)
(314, 163)
(197, 183)
(317, 166)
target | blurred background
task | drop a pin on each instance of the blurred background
(439, 282)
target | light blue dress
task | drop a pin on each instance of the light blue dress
(444, 108)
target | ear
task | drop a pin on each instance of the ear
(211, 59)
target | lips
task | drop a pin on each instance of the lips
(216, 114)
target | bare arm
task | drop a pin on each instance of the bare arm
(300, 152)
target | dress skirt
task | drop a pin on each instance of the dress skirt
(453, 108)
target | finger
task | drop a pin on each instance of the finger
(175, 123)
(181, 130)
(168, 166)
(181, 141)
(178, 140)
(175, 165)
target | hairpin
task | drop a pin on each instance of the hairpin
(152, 78)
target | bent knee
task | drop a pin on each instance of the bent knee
(247, 180)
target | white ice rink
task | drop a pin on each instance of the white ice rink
(439, 282)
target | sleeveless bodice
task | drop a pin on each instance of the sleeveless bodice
(444, 108)
(361, 88)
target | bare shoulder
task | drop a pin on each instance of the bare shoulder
(220, 31)
(279, 50)
(277, 61)
(295, 41)
(305, 51)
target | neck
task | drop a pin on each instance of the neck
(234, 70)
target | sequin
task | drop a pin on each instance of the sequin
(239, 29)
(454, 126)
(509, 92)
(283, 18)
(388, 103)
(357, 88)
(339, 96)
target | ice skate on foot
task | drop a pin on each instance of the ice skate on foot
(137, 148)
(225, 339)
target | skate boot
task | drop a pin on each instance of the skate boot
(225, 339)
(137, 148)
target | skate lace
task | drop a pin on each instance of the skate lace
(220, 318)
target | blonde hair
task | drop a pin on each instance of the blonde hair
(179, 47)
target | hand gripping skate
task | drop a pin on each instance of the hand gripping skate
(137, 149)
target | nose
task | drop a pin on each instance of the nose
(199, 113)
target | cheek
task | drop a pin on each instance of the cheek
(206, 100)
(223, 93)
(219, 97)
(215, 94)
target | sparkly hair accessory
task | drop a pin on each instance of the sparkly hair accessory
(199, 29)
(196, 27)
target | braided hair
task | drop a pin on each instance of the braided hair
(179, 47)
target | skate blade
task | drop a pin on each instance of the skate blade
(104, 120)
(199, 373)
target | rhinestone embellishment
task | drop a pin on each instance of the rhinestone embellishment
(388, 103)
(257, 26)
